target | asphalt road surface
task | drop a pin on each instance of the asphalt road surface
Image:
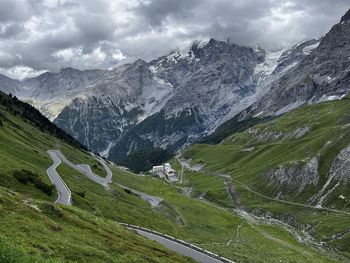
(84, 169)
(179, 248)
(64, 194)
(108, 178)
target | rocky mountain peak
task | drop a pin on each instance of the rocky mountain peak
(346, 17)
(213, 42)
(68, 69)
(139, 62)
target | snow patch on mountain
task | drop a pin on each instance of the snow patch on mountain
(307, 50)
(184, 53)
(269, 65)
(331, 97)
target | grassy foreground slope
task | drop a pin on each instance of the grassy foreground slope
(33, 229)
(311, 137)
(31, 226)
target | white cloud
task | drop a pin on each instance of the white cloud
(53, 34)
(21, 72)
(97, 56)
(65, 54)
(118, 55)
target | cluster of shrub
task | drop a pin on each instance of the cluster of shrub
(29, 114)
(81, 194)
(26, 177)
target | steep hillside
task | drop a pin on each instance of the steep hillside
(32, 226)
(30, 114)
(293, 168)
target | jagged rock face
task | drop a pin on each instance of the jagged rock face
(209, 74)
(207, 80)
(212, 82)
(159, 130)
(211, 77)
(323, 74)
(296, 54)
(341, 166)
(294, 179)
(345, 18)
(50, 85)
(267, 135)
(94, 121)
(338, 178)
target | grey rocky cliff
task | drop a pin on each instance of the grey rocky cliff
(8, 85)
(323, 74)
(293, 178)
(338, 177)
(267, 135)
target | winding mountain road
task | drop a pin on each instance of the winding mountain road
(65, 197)
(105, 181)
(84, 169)
(105, 166)
(64, 194)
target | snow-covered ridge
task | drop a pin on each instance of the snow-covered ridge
(266, 68)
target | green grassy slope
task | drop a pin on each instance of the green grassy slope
(248, 157)
(88, 232)
(185, 218)
(34, 230)
(220, 229)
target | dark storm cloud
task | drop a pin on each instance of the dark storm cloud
(10, 30)
(15, 10)
(158, 11)
(37, 35)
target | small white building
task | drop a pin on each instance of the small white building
(168, 170)
(165, 170)
(158, 168)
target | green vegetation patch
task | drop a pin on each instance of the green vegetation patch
(25, 177)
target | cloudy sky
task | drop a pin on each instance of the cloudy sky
(41, 35)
